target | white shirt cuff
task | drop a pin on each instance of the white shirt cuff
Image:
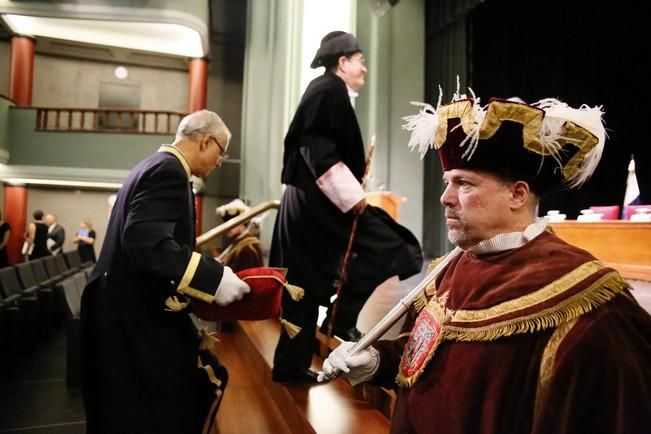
(341, 187)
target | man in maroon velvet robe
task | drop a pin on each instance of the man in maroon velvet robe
(520, 332)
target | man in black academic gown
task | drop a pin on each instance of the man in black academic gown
(140, 348)
(323, 166)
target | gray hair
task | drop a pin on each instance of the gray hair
(203, 122)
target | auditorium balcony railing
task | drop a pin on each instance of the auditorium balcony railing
(92, 138)
(112, 120)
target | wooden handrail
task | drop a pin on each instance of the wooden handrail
(235, 221)
(113, 120)
(3, 96)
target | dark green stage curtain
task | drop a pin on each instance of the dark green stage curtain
(447, 52)
(580, 52)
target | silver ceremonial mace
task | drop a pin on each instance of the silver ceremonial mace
(397, 312)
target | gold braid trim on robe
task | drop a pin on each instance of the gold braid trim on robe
(421, 301)
(547, 362)
(598, 293)
(548, 307)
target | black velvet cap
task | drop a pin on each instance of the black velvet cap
(335, 44)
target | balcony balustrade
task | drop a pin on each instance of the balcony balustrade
(107, 120)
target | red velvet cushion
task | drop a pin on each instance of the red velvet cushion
(261, 303)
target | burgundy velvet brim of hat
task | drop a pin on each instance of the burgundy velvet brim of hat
(505, 155)
(262, 302)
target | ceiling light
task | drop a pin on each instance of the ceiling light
(121, 72)
(166, 38)
(62, 183)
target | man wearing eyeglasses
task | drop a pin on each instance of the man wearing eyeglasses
(139, 345)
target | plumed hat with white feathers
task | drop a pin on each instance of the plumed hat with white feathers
(546, 143)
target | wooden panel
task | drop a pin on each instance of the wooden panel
(623, 245)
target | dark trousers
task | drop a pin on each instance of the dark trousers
(296, 353)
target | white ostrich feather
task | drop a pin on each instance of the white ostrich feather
(423, 126)
(472, 137)
(590, 118)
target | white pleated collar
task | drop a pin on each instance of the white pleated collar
(511, 240)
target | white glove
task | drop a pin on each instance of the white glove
(231, 288)
(357, 369)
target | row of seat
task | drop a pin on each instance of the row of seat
(71, 289)
(33, 301)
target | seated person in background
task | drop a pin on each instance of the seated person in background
(520, 332)
(244, 250)
(85, 240)
(56, 235)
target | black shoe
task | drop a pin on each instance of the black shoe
(298, 376)
(351, 334)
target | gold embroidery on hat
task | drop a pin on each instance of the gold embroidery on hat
(461, 110)
(531, 119)
(584, 140)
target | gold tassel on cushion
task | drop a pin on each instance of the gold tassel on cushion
(174, 304)
(295, 292)
(291, 329)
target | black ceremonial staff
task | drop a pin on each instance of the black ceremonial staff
(351, 239)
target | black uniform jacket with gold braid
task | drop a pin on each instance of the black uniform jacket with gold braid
(538, 339)
(140, 357)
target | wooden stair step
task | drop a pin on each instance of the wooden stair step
(247, 406)
(329, 408)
